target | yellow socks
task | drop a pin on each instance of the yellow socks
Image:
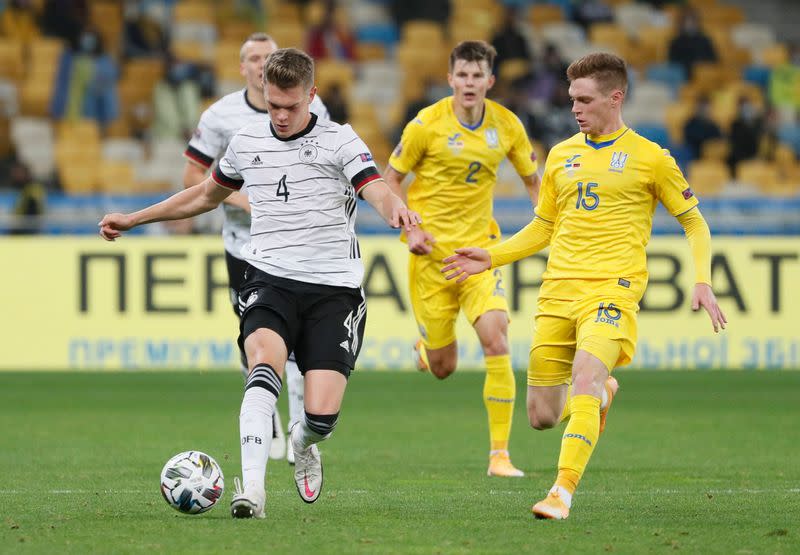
(578, 441)
(498, 395)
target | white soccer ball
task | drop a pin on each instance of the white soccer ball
(192, 482)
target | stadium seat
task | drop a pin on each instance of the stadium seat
(329, 71)
(385, 33)
(513, 69)
(542, 14)
(114, 176)
(236, 30)
(564, 35)
(708, 177)
(676, 116)
(753, 36)
(123, 150)
(287, 33)
(672, 75)
(369, 51)
(758, 173)
(609, 35)
(633, 17)
(422, 32)
(716, 149)
(773, 55)
(193, 51)
(33, 139)
(721, 14)
(193, 11)
(11, 59)
(654, 132)
(757, 74)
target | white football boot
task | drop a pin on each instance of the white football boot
(248, 502)
(307, 468)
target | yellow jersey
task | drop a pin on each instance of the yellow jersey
(600, 194)
(455, 170)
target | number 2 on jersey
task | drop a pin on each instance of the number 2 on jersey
(587, 193)
(283, 190)
(474, 167)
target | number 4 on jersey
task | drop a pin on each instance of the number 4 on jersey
(282, 190)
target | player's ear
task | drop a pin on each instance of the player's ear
(450, 79)
(617, 97)
(311, 94)
(491, 81)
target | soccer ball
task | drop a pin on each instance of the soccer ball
(192, 482)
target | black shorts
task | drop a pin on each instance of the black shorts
(322, 324)
(236, 269)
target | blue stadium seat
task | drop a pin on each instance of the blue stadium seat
(671, 75)
(757, 74)
(655, 132)
(384, 33)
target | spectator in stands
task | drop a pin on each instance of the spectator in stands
(86, 82)
(30, 203)
(587, 12)
(509, 42)
(332, 37)
(430, 10)
(142, 31)
(700, 127)
(691, 44)
(557, 120)
(747, 131)
(784, 81)
(549, 75)
(336, 103)
(65, 19)
(18, 21)
(176, 101)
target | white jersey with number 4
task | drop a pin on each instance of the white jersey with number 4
(217, 126)
(303, 197)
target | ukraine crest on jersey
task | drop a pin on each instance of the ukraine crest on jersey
(455, 169)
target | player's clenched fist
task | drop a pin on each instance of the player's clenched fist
(112, 225)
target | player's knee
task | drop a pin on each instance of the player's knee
(496, 344)
(541, 421)
(321, 424)
(442, 368)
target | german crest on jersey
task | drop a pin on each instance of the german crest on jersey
(618, 160)
(492, 140)
(308, 153)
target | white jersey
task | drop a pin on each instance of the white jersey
(218, 124)
(302, 193)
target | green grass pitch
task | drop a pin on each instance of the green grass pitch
(691, 462)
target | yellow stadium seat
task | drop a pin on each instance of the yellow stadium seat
(759, 173)
(702, 4)
(34, 97)
(611, 35)
(677, 115)
(708, 177)
(542, 14)
(116, 177)
(11, 59)
(285, 12)
(513, 69)
(720, 14)
(469, 30)
(287, 34)
(709, 76)
(77, 176)
(422, 33)
(237, 30)
(226, 60)
(84, 132)
(774, 55)
(188, 11)
(370, 51)
(716, 149)
(193, 51)
(329, 71)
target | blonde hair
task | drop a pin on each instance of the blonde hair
(289, 67)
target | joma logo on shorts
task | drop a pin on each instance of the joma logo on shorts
(608, 314)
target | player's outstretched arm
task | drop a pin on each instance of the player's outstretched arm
(195, 200)
(194, 173)
(419, 240)
(391, 207)
(466, 262)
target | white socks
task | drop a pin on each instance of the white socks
(295, 385)
(255, 423)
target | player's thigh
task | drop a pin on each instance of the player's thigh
(434, 301)
(267, 303)
(236, 278)
(607, 328)
(553, 347)
(331, 329)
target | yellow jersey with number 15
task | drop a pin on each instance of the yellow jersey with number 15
(455, 170)
(600, 194)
